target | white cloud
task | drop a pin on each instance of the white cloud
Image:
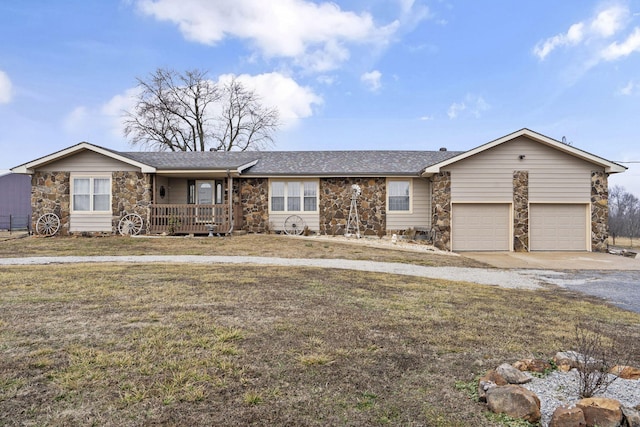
(631, 88)
(425, 118)
(618, 50)
(75, 120)
(455, 109)
(120, 103)
(294, 102)
(605, 24)
(6, 88)
(473, 104)
(372, 80)
(326, 79)
(573, 36)
(610, 21)
(315, 35)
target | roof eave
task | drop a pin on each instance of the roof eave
(333, 174)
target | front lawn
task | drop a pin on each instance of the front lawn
(197, 345)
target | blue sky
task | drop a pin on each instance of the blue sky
(356, 74)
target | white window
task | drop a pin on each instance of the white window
(91, 194)
(277, 196)
(310, 196)
(294, 196)
(399, 195)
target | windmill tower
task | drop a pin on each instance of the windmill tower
(353, 223)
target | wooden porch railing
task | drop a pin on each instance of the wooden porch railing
(187, 219)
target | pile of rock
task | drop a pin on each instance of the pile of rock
(503, 392)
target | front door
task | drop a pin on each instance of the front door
(209, 192)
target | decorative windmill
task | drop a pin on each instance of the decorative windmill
(353, 223)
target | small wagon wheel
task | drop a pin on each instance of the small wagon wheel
(48, 224)
(130, 225)
(294, 225)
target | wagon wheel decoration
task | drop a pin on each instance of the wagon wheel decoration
(294, 225)
(48, 224)
(130, 225)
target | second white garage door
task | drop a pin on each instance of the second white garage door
(481, 227)
(557, 227)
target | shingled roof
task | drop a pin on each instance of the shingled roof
(312, 163)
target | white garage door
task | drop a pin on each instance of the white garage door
(481, 227)
(557, 227)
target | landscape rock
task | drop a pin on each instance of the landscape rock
(567, 360)
(533, 365)
(514, 401)
(631, 417)
(601, 412)
(489, 380)
(626, 372)
(513, 375)
(565, 416)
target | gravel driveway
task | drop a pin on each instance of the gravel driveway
(485, 276)
(621, 288)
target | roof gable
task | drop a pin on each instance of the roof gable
(30, 167)
(609, 167)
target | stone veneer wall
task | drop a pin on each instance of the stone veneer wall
(50, 194)
(131, 192)
(254, 198)
(521, 211)
(442, 209)
(335, 202)
(599, 211)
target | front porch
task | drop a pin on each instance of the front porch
(193, 219)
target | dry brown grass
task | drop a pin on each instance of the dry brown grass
(250, 245)
(625, 242)
(125, 345)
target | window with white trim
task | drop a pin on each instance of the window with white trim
(91, 194)
(399, 195)
(294, 196)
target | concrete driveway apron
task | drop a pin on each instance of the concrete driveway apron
(611, 277)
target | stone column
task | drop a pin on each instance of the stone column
(335, 201)
(521, 211)
(131, 192)
(442, 210)
(50, 194)
(599, 211)
(254, 198)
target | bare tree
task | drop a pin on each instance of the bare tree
(624, 213)
(616, 220)
(189, 112)
(244, 121)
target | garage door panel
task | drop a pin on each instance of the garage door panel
(481, 227)
(558, 227)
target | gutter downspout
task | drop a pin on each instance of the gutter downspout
(230, 184)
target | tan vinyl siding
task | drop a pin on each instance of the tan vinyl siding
(311, 220)
(90, 222)
(420, 215)
(177, 191)
(162, 181)
(88, 161)
(553, 175)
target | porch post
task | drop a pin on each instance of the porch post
(230, 201)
